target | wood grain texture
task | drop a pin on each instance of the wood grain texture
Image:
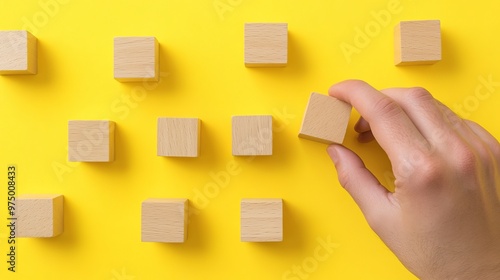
(39, 215)
(325, 119)
(178, 137)
(252, 135)
(262, 220)
(266, 44)
(91, 141)
(417, 42)
(164, 220)
(136, 59)
(18, 53)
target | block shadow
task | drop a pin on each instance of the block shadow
(449, 65)
(293, 234)
(167, 82)
(281, 157)
(45, 75)
(295, 69)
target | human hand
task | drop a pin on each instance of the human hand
(443, 219)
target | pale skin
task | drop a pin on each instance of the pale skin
(443, 219)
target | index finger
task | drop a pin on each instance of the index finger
(390, 125)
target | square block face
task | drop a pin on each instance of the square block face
(136, 59)
(18, 53)
(325, 119)
(266, 44)
(252, 135)
(39, 215)
(178, 137)
(262, 220)
(164, 220)
(417, 42)
(91, 141)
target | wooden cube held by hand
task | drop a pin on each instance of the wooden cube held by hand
(325, 119)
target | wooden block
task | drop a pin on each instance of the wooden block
(39, 215)
(262, 220)
(91, 141)
(417, 42)
(136, 59)
(164, 220)
(252, 135)
(266, 44)
(325, 119)
(178, 137)
(18, 53)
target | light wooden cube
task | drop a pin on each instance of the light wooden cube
(136, 59)
(39, 215)
(266, 44)
(417, 42)
(91, 141)
(164, 220)
(252, 135)
(18, 53)
(325, 119)
(178, 137)
(262, 220)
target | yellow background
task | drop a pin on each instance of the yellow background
(203, 75)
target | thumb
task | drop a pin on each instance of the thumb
(371, 197)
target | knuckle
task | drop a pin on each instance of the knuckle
(421, 170)
(387, 107)
(419, 94)
(455, 121)
(466, 160)
(430, 172)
